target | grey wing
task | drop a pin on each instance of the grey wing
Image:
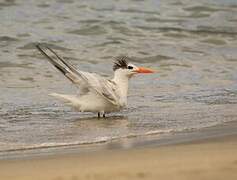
(87, 81)
(106, 88)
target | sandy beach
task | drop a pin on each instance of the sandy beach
(213, 158)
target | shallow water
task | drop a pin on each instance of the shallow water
(192, 44)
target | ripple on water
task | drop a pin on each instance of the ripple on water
(175, 35)
(108, 43)
(139, 11)
(126, 30)
(8, 39)
(203, 9)
(65, 1)
(165, 20)
(89, 21)
(89, 31)
(27, 79)
(214, 41)
(217, 98)
(5, 64)
(43, 5)
(151, 59)
(200, 29)
(30, 46)
(7, 3)
(23, 35)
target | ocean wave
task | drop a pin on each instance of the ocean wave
(98, 140)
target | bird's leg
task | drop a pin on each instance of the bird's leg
(103, 113)
(98, 114)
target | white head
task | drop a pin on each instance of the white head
(123, 68)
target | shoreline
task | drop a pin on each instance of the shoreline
(160, 140)
(211, 158)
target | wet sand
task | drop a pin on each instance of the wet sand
(213, 158)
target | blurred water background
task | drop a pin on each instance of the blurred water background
(192, 44)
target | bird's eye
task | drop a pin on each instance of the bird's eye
(130, 67)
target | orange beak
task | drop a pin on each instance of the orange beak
(144, 70)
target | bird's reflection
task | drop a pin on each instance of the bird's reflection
(118, 128)
(120, 122)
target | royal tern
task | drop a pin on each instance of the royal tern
(97, 94)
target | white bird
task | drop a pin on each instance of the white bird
(97, 94)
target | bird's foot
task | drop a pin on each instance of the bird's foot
(101, 113)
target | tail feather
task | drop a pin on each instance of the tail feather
(70, 99)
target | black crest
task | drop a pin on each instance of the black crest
(121, 62)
